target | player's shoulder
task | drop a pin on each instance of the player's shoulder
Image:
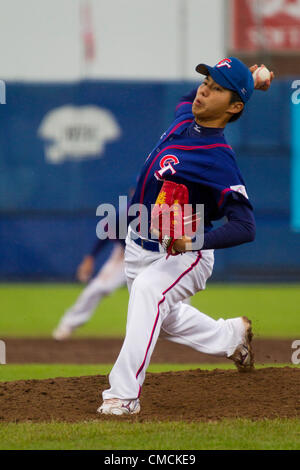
(183, 108)
(215, 146)
(223, 146)
(178, 125)
(220, 157)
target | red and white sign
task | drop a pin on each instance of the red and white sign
(272, 25)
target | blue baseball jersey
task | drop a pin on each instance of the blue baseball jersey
(198, 157)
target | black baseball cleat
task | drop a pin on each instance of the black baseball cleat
(243, 356)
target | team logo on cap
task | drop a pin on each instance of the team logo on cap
(224, 63)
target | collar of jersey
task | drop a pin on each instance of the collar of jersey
(195, 130)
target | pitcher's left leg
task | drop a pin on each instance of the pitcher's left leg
(153, 292)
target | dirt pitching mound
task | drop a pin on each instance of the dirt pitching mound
(196, 395)
(106, 350)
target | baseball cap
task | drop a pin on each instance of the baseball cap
(231, 73)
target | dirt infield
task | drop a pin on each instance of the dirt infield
(193, 395)
(105, 351)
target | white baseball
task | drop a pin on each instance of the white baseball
(261, 75)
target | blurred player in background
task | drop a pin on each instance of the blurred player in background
(110, 277)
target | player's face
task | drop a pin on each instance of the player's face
(212, 104)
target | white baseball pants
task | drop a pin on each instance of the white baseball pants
(110, 277)
(157, 289)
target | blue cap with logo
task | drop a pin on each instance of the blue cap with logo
(231, 73)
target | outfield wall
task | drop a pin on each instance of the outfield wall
(67, 147)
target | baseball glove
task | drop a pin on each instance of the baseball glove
(171, 216)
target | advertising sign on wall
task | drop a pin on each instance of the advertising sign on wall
(272, 25)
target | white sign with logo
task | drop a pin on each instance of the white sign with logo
(77, 132)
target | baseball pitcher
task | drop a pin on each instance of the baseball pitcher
(192, 161)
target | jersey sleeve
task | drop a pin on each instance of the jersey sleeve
(233, 193)
(185, 104)
(239, 229)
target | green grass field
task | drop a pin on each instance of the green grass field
(34, 310)
(227, 434)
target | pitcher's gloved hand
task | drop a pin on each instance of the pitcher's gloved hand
(171, 218)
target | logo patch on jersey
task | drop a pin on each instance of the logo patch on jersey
(197, 128)
(224, 63)
(239, 188)
(166, 164)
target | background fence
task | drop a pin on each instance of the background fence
(65, 148)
